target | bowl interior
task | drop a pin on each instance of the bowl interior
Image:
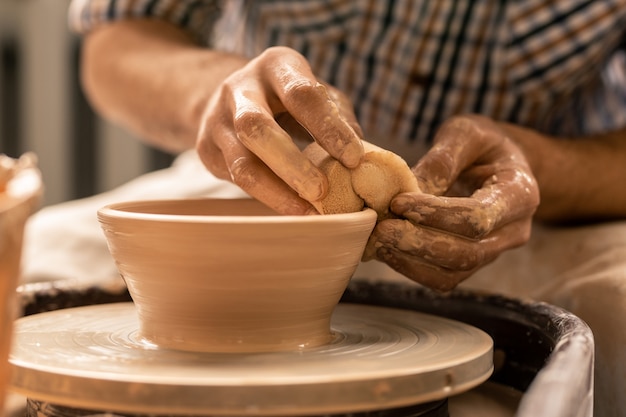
(244, 210)
(196, 207)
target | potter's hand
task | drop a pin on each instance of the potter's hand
(248, 131)
(478, 200)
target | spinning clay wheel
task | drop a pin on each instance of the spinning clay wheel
(93, 357)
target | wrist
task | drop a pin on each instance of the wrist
(552, 162)
(580, 179)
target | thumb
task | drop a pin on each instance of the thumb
(436, 171)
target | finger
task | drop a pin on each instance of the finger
(439, 168)
(234, 162)
(302, 137)
(435, 171)
(433, 277)
(311, 105)
(210, 154)
(442, 250)
(258, 180)
(459, 216)
(346, 109)
(325, 123)
(263, 136)
(503, 198)
(428, 245)
(436, 267)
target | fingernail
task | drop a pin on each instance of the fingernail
(399, 204)
(313, 186)
(315, 189)
(352, 154)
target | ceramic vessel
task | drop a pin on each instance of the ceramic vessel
(20, 191)
(222, 275)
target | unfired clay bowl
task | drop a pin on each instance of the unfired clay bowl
(220, 275)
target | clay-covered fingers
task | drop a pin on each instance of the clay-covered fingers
(473, 155)
(468, 148)
(328, 119)
(245, 133)
(236, 163)
(302, 136)
(438, 260)
(240, 140)
(224, 154)
(489, 208)
(478, 199)
(345, 109)
(254, 176)
(258, 131)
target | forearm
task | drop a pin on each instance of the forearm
(151, 78)
(580, 179)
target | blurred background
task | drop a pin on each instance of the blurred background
(43, 110)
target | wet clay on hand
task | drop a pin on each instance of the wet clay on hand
(379, 177)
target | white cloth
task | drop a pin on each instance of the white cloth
(582, 269)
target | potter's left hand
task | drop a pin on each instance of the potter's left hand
(478, 199)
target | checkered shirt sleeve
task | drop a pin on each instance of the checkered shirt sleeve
(408, 66)
(196, 16)
(555, 66)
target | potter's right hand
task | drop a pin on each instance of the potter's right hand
(247, 132)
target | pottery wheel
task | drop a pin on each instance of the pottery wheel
(93, 357)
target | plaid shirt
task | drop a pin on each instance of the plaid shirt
(557, 66)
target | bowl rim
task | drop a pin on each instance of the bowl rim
(116, 211)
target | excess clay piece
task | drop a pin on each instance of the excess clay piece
(379, 177)
(230, 275)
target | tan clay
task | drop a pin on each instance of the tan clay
(20, 189)
(231, 275)
(379, 177)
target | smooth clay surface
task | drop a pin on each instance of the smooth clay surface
(231, 275)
